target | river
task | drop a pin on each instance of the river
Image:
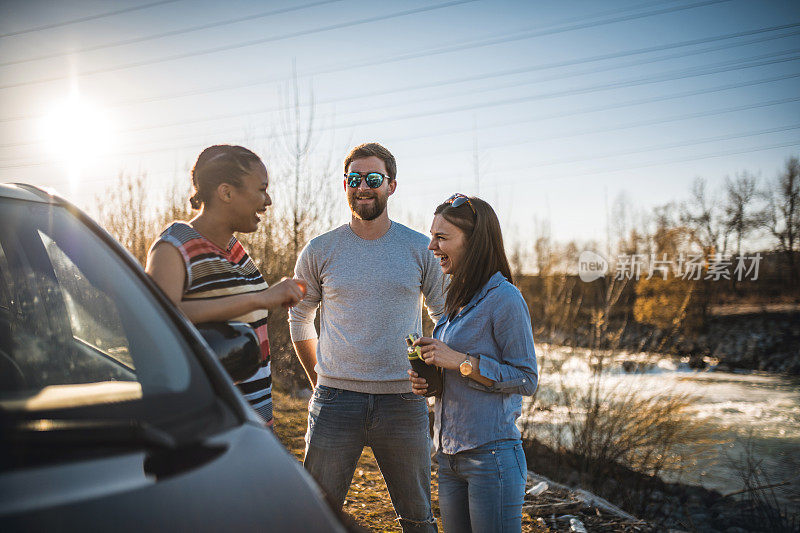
(760, 408)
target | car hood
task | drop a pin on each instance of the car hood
(241, 480)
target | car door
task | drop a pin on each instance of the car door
(112, 412)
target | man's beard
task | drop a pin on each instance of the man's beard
(370, 211)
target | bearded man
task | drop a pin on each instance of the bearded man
(366, 277)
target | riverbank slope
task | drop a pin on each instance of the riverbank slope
(766, 340)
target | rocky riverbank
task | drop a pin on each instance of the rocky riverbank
(553, 506)
(767, 341)
(762, 341)
(660, 506)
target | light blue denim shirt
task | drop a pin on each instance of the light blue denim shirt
(496, 327)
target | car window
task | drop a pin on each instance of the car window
(94, 317)
(81, 330)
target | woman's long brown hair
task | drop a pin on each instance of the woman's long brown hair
(484, 252)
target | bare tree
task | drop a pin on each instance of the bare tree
(542, 246)
(309, 178)
(782, 214)
(302, 209)
(740, 194)
(667, 235)
(123, 212)
(701, 217)
(620, 219)
(629, 226)
(480, 161)
(516, 260)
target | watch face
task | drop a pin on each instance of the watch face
(465, 368)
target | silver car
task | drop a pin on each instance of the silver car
(115, 414)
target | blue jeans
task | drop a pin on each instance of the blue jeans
(395, 426)
(482, 489)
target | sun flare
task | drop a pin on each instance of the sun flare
(75, 132)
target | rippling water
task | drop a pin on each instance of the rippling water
(761, 408)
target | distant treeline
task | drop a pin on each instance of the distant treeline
(563, 303)
(745, 214)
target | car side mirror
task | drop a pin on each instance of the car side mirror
(236, 346)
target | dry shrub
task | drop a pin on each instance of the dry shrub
(760, 508)
(122, 212)
(607, 433)
(133, 216)
(612, 440)
(667, 304)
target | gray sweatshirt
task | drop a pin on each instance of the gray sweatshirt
(369, 293)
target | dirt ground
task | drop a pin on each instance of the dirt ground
(368, 500)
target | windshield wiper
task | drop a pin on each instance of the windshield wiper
(90, 432)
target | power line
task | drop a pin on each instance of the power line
(502, 73)
(527, 34)
(385, 60)
(172, 33)
(666, 146)
(427, 53)
(705, 70)
(699, 114)
(631, 103)
(423, 53)
(252, 42)
(669, 76)
(552, 94)
(591, 59)
(680, 160)
(628, 125)
(86, 19)
(698, 71)
(611, 154)
(268, 80)
(516, 182)
(687, 73)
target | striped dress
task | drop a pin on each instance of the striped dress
(212, 272)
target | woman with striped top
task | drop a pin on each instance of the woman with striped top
(204, 269)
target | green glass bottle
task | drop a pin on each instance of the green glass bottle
(431, 374)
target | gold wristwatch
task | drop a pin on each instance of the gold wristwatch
(466, 367)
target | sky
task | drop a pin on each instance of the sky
(549, 110)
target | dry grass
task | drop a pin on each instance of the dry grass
(604, 426)
(760, 507)
(368, 500)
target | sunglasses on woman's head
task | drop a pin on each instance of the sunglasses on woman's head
(373, 179)
(458, 199)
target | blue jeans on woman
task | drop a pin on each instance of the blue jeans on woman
(482, 489)
(395, 426)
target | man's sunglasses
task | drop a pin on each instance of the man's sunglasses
(458, 199)
(373, 179)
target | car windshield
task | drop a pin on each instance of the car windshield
(80, 334)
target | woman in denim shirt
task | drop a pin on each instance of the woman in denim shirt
(484, 346)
